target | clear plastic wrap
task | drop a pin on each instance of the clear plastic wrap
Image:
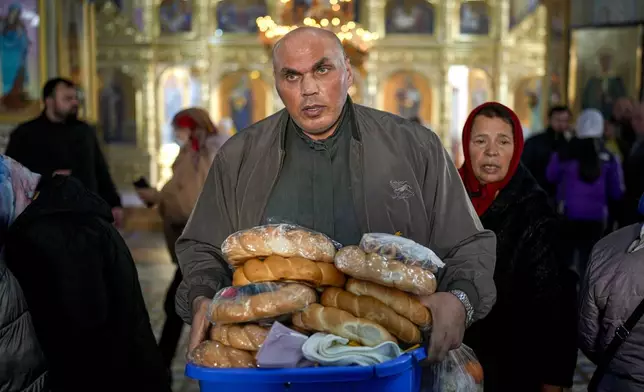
(259, 301)
(460, 371)
(293, 269)
(375, 268)
(248, 337)
(215, 355)
(280, 240)
(401, 249)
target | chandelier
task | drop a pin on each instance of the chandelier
(333, 15)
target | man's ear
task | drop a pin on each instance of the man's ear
(347, 64)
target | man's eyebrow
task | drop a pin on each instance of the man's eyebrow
(290, 71)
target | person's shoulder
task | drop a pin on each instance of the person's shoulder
(381, 123)
(27, 127)
(259, 135)
(536, 138)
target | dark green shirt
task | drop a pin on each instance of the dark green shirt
(313, 189)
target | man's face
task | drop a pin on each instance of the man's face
(64, 103)
(623, 109)
(312, 77)
(560, 121)
(638, 120)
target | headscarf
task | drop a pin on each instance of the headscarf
(590, 124)
(201, 127)
(483, 196)
(17, 189)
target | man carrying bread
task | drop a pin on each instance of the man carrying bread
(343, 170)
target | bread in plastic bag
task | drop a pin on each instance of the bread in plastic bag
(216, 355)
(248, 337)
(281, 240)
(278, 268)
(259, 301)
(372, 267)
(460, 371)
(401, 249)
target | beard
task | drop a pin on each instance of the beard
(67, 116)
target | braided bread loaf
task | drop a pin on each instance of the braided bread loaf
(275, 299)
(342, 323)
(374, 310)
(247, 337)
(216, 355)
(276, 268)
(402, 303)
(281, 240)
(378, 269)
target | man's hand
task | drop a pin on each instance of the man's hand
(200, 323)
(62, 173)
(117, 214)
(448, 324)
(551, 388)
(148, 195)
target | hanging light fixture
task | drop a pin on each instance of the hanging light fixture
(333, 15)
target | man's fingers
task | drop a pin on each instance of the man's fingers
(198, 332)
(436, 341)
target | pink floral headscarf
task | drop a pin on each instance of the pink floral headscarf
(17, 189)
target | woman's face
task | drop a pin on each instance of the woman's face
(182, 135)
(491, 149)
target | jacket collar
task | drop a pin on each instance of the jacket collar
(349, 107)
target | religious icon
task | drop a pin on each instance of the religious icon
(241, 104)
(520, 9)
(408, 99)
(409, 17)
(240, 16)
(112, 108)
(16, 39)
(175, 16)
(475, 18)
(604, 88)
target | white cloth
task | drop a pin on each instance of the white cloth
(590, 124)
(332, 350)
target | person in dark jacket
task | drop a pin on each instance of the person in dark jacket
(58, 142)
(538, 148)
(343, 170)
(83, 292)
(634, 170)
(588, 178)
(22, 364)
(524, 344)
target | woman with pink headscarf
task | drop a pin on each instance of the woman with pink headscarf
(22, 363)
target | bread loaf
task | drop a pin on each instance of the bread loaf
(341, 323)
(371, 309)
(402, 303)
(278, 268)
(279, 240)
(216, 355)
(375, 268)
(247, 337)
(284, 299)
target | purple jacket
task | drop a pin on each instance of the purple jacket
(582, 200)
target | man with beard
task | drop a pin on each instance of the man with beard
(57, 142)
(344, 170)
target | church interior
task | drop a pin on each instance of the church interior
(138, 62)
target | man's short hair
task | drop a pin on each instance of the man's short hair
(558, 109)
(495, 110)
(50, 86)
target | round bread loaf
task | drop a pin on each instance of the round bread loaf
(342, 323)
(375, 268)
(279, 299)
(402, 303)
(280, 240)
(247, 337)
(215, 355)
(278, 268)
(371, 309)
